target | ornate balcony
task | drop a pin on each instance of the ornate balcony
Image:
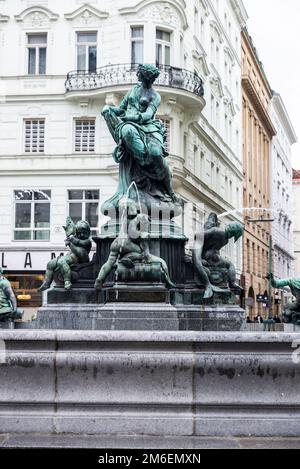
(122, 76)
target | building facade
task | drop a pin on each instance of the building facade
(282, 197)
(296, 221)
(258, 133)
(60, 63)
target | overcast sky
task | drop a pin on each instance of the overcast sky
(275, 28)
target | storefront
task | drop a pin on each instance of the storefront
(25, 270)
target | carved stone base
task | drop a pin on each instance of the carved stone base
(126, 316)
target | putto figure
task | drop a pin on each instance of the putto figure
(80, 244)
(130, 250)
(8, 302)
(215, 272)
(291, 312)
(141, 142)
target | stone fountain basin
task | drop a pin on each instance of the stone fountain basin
(150, 383)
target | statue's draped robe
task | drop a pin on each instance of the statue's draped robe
(149, 172)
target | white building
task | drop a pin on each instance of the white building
(296, 221)
(282, 192)
(55, 148)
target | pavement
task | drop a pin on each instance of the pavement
(142, 442)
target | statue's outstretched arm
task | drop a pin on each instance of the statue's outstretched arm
(279, 283)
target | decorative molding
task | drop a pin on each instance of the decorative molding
(214, 26)
(205, 8)
(86, 15)
(171, 12)
(280, 109)
(36, 17)
(201, 58)
(230, 55)
(4, 18)
(250, 89)
(216, 86)
(229, 106)
(240, 12)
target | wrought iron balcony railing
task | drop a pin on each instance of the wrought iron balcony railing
(125, 74)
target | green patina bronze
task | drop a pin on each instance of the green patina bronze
(213, 271)
(291, 312)
(79, 242)
(130, 254)
(8, 302)
(141, 144)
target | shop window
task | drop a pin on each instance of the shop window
(26, 287)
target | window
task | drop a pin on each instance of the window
(32, 215)
(84, 205)
(167, 124)
(137, 44)
(34, 135)
(37, 51)
(163, 47)
(85, 135)
(202, 31)
(87, 51)
(196, 23)
(212, 109)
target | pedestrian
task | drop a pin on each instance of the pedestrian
(259, 319)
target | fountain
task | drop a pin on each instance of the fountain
(157, 350)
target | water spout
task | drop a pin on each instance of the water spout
(247, 209)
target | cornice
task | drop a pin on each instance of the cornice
(249, 88)
(86, 8)
(179, 5)
(248, 42)
(36, 9)
(240, 12)
(280, 109)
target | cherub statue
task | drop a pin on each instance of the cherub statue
(8, 302)
(291, 312)
(211, 268)
(132, 245)
(80, 244)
